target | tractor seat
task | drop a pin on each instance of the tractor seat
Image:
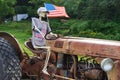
(29, 45)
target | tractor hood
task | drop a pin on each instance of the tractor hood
(86, 47)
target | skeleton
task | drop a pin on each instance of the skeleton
(41, 28)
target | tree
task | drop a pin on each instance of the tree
(6, 8)
(35, 4)
(22, 2)
(72, 7)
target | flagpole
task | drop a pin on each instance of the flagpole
(47, 18)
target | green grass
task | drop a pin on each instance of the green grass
(21, 30)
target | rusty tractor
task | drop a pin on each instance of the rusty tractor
(71, 58)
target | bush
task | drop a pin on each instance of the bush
(95, 29)
(78, 26)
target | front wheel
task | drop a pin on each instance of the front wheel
(9, 62)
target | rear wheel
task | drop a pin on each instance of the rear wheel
(9, 62)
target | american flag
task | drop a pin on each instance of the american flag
(55, 11)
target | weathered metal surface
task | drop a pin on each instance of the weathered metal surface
(59, 44)
(114, 74)
(86, 47)
(32, 67)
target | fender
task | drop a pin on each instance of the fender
(14, 42)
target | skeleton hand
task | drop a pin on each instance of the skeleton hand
(51, 36)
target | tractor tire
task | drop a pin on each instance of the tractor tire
(9, 61)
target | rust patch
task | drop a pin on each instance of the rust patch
(59, 44)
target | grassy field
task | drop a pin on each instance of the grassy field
(21, 30)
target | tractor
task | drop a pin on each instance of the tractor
(71, 58)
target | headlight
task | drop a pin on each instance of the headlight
(107, 64)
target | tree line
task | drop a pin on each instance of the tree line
(89, 18)
(8, 8)
(81, 9)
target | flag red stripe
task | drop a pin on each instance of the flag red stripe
(53, 12)
(59, 12)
